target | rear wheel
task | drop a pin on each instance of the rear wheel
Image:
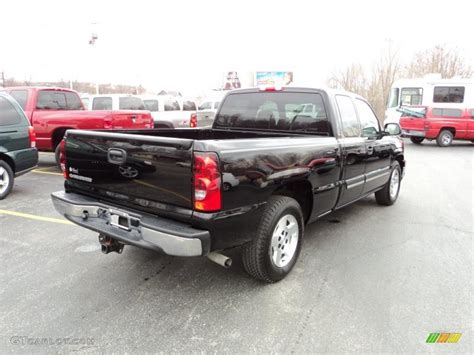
(445, 138)
(277, 244)
(417, 140)
(389, 194)
(6, 179)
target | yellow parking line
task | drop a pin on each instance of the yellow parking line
(38, 171)
(32, 216)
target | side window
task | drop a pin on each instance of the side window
(205, 106)
(20, 96)
(367, 118)
(102, 103)
(171, 105)
(448, 94)
(189, 106)
(8, 113)
(151, 105)
(411, 96)
(447, 112)
(216, 104)
(472, 112)
(350, 123)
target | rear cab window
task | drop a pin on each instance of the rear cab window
(58, 100)
(21, 96)
(9, 114)
(282, 111)
(131, 103)
(447, 112)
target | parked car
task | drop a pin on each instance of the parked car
(171, 112)
(113, 102)
(207, 111)
(263, 171)
(52, 111)
(18, 153)
(442, 124)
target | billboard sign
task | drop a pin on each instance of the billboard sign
(273, 78)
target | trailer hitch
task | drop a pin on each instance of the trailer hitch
(109, 244)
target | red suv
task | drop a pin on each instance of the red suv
(442, 124)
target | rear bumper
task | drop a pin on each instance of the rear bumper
(143, 230)
(413, 133)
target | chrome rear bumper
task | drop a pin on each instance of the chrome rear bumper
(132, 227)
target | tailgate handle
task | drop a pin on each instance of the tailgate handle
(116, 156)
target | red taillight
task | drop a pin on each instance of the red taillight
(207, 182)
(62, 158)
(32, 136)
(108, 123)
(193, 121)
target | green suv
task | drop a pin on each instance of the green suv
(18, 153)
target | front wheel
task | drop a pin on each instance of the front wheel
(417, 140)
(389, 194)
(277, 244)
(445, 138)
(6, 179)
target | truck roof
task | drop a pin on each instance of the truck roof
(37, 88)
(300, 89)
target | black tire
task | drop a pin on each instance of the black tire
(445, 138)
(7, 177)
(417, 140)
(383, 197)
(257, 254)
(56, 155)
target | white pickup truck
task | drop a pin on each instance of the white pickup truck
(171, 112)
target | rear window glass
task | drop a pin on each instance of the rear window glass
(447, 112)
(102, 103)
(151, 105)
(20, 96)
(189, 106)
(58, 100)
(8, 113)
(131, 103)
(276, 111)
(448, 94)
(171, 105)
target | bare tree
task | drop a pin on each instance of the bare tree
(439, 59)
(352, 79)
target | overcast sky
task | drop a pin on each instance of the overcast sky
(188, 45)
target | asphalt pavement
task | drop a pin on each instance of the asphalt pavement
(370, 279)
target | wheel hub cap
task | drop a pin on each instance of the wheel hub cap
(446, 139)
(394, 183)
(284, 241)
(4, 180)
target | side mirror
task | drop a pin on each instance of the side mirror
(392, 129)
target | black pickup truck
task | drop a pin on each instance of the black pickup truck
(273, 161)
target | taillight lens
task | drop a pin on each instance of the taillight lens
(108, 123)
(207, 182)
(32, 136)
(193, 121)
(62, 158)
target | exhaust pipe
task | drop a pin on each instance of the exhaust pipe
(220, 259)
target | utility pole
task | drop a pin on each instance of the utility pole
(92, 41)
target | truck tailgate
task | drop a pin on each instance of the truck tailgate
(131, 119)
(412, 123)
(131, 169)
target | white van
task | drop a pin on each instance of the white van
(429, 91)
(170, 111)
(113, 102)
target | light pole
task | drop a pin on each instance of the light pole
(92, 41)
